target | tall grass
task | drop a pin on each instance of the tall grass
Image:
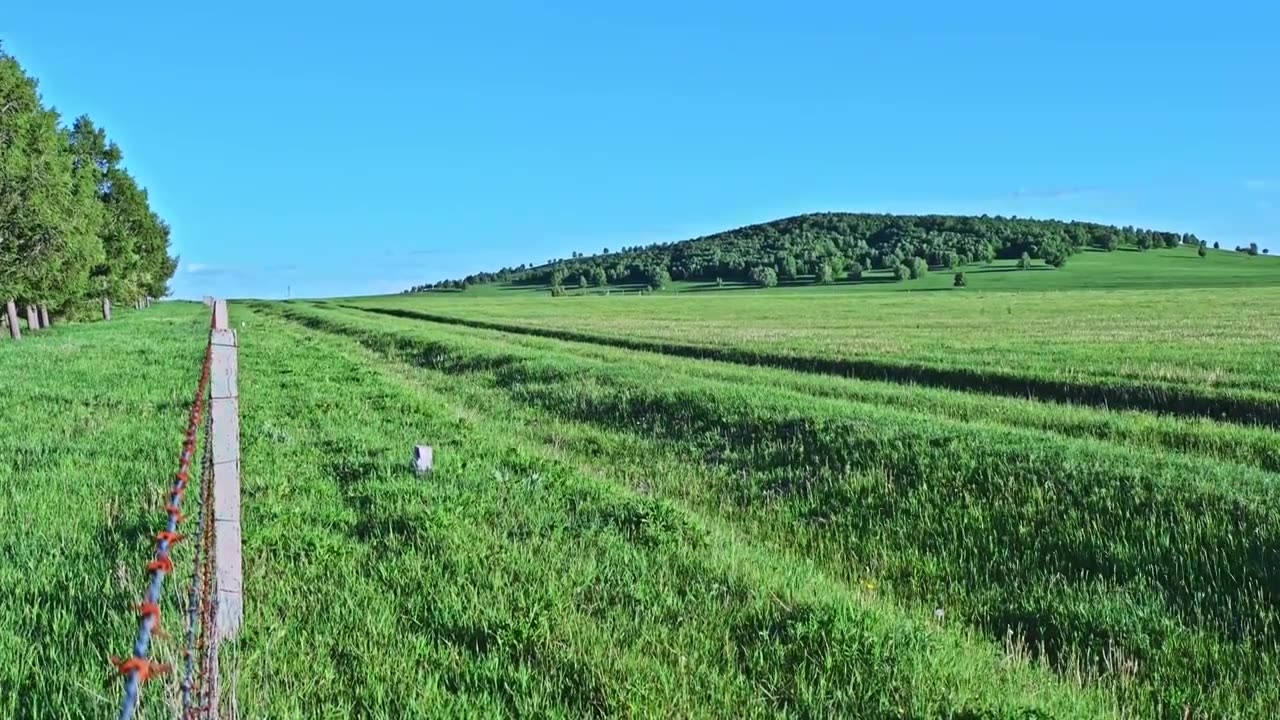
(91, 423)
(511, 582)
(1153, 567)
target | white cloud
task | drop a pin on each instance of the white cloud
(199, 268)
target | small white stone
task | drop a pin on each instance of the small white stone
(422, 459)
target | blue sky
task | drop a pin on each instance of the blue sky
(325, 149)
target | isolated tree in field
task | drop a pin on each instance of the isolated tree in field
(657, 278)
(901, 272)
(1110, 241)
(1201, 251)
(1253, 248)
(1024, 262)
(764, 276)
(557, 291)
(855, 271)
(824, 275)
(1055, 254)
(918, 268)
(960, 280)
(1216, 246)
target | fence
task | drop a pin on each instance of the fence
(215, 607)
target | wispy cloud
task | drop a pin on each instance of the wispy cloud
(1260, 185)
(199, 268)
(1056, 193)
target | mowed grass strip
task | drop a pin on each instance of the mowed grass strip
(1253, 446)
(509, 582)
(1161, 567)
(92, 420)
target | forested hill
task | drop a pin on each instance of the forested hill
(75, 226)
(830, 245)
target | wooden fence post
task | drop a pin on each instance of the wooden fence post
(225, 438)
(106, 308)
(44, 316)
(11, 312)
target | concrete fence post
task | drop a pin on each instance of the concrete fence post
(11, 312)
(224, 411)
(106, 308)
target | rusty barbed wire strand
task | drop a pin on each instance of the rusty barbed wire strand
(138, 669)
(190, 688)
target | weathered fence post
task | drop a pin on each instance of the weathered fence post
(33, 320)
(44, 316)
(11, 312)
(106, 308)
(225, 438)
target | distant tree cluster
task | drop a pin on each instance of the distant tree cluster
(828, 246)
(75, 226)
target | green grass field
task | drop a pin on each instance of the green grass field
(807, 502)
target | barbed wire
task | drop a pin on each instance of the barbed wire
(139, 668)
(195, 701)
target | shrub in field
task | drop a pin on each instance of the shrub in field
(1055, 254)
(901, 272)
(764, 276)
(824, 275)
(918, 268)
(1201, 251)
(657, 278)
(557, 291)
(960, 280)
(1024, 262)
(855, 271)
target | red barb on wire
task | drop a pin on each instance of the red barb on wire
(152, 610)
(145, 668)
(170, 537)
(162, 563)
(174, 511)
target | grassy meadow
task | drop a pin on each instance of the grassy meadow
(1051, 494)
